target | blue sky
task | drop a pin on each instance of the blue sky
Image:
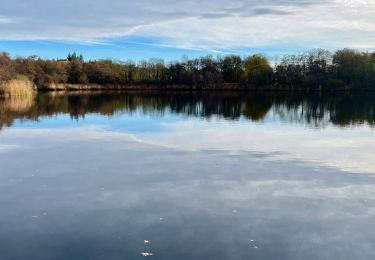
(143, 29)
(128, 48)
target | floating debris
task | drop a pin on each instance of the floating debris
(255, 247)
(147, 254)
(252, 240)
(161, 219)
(146, 241)
(35, 216)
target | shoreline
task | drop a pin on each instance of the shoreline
(186, 88)
(182, 87)
(226, 87)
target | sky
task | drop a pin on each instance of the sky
(169, 29)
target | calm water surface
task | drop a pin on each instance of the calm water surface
(187, 176)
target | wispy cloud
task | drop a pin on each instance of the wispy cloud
(195, 24)
(7, 20)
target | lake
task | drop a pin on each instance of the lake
(181, 175)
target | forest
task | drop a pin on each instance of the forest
(314, 70)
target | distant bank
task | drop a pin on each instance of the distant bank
(315, 70)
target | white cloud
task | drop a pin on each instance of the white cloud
(196, 24)
(6, 20)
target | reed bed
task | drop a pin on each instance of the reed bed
(17, 88)
(73, 87)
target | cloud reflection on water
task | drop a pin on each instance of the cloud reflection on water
(344, 148)
(97, 192)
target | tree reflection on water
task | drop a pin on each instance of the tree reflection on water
(313, 109)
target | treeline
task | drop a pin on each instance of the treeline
(314, 70)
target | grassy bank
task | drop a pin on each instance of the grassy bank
(25, 88)
(94, 87)
(183, 87)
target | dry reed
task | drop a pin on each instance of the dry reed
(17, 87)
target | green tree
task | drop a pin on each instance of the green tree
(258, 70)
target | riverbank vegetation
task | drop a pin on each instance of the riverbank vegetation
(314, 70)
(21, 87)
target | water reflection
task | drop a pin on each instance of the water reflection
(187, 176)
(86, 194)
(314, 109)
